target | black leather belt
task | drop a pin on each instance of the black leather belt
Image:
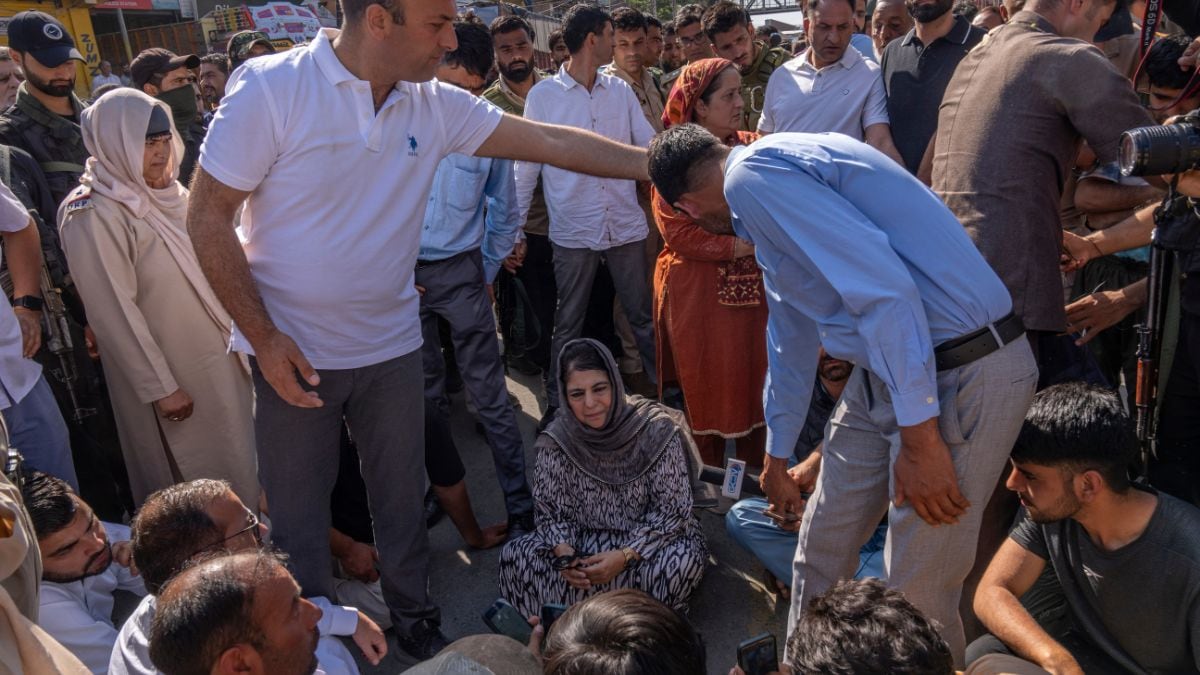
(422, 264)
(974, 346)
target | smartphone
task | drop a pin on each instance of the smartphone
(550, 614)
(757, 656)
(504, 619)
(781, 518)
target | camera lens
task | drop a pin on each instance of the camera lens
(1160, 150)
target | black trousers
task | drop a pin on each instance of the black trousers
(1176, 469)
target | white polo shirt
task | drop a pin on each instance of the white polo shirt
(587, 212)
(846, 97)
(18, 374)
(333, 224)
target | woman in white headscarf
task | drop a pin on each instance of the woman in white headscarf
(183, 403)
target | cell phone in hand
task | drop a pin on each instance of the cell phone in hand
(504, 619)
(757, 656)
(550, 613)
(781, 518)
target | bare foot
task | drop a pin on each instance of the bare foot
(489, 537)
(781, 589)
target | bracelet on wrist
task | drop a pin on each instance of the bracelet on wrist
(631, 556)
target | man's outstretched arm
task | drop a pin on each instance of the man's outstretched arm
(566, 148)
(211, 208)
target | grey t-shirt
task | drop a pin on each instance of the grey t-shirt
(1145, 596)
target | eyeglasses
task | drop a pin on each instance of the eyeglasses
(251, 527)
(700, 39)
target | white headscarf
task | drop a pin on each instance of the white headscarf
(114, 132)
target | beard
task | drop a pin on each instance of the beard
(516, 71)
(44, 86)
(88, 571)
(834, 370)
(928, 13)
(1064, 507)
(292, 662)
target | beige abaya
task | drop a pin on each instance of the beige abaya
(157, 322)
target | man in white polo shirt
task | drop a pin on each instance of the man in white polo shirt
(829, 86)
(322, 289)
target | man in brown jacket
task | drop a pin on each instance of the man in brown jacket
(1008, 131)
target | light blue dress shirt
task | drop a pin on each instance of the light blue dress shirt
(861, 257)
(473, 204)
(862, 42)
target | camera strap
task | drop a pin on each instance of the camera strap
(1150, 19)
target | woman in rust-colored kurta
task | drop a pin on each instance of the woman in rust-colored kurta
(710, 316)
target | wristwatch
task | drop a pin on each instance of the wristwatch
(30, 302)
(631, 555)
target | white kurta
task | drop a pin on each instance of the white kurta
(155, 337)
(79, 614)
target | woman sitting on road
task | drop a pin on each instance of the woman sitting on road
(613, 497)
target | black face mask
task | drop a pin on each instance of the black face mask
(182, 102)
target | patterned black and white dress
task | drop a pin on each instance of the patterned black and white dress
(652, 514)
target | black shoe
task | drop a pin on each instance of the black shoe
(547, 418)
(433, 509)
(424, 641)
(520, 525)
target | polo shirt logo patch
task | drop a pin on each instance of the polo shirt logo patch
(412, 146)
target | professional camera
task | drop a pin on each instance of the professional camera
(1162, 149)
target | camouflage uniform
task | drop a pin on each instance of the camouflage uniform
(533, 300)
(667, 82)
(55, 142)
(754, 84)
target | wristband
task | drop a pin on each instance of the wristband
(30, 302)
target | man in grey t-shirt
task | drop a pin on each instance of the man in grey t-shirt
(1126, 558)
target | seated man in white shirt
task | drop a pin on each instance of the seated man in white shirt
(84, 561)
(201, 518)
(829, 86)
(238, 613)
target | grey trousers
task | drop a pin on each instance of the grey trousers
(574, 271)
(983, 405)
(297, 464)
(455, 291)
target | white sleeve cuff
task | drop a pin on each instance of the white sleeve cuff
(335, 619)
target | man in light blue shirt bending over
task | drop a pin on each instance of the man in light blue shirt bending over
(861, 258)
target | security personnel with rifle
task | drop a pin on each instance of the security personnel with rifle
(731, 32)
(45, 119)
(42, 156)
(1167, 386)
(527, 297)
(74, 377)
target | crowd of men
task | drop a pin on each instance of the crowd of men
(954, 265)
